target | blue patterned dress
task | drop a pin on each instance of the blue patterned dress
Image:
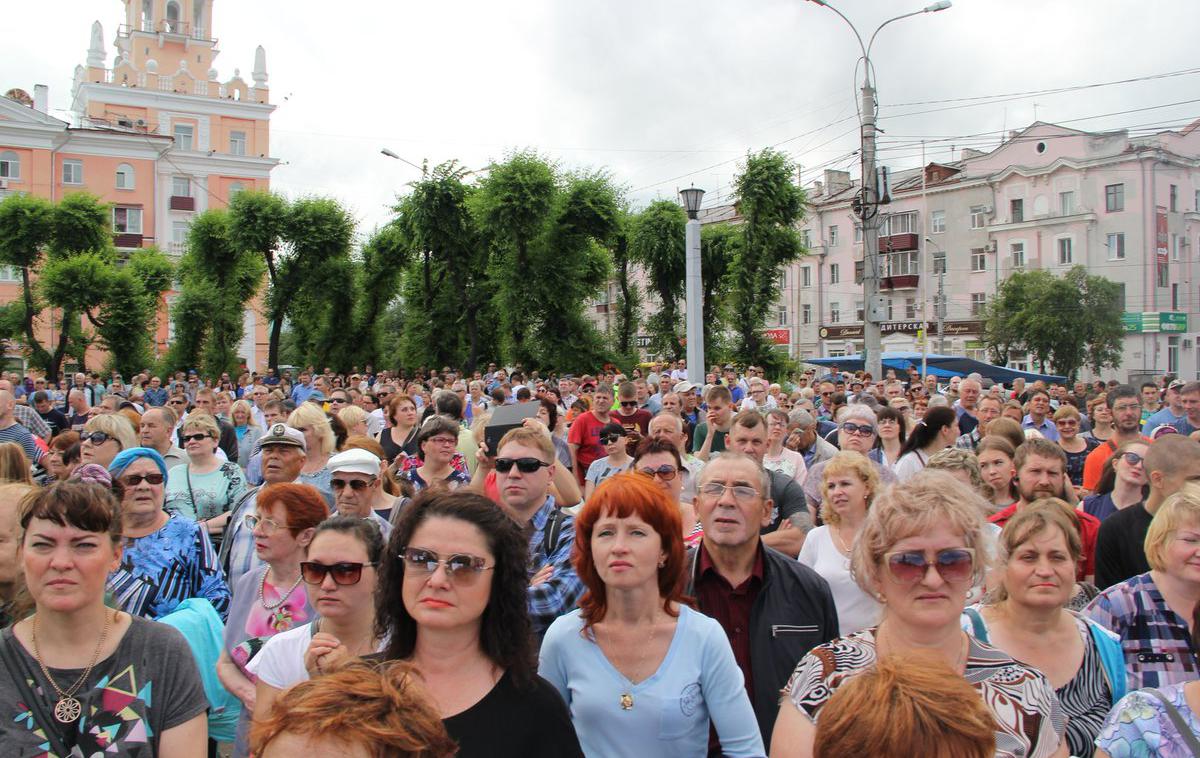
(162, 569)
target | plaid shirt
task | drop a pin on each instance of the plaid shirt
(32, 420)
(559, 594)
(969, 441)
(1156, 642)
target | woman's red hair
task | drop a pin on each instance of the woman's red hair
(621, 496)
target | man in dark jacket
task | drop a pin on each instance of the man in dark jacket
(773, 609)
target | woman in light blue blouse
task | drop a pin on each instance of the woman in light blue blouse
(643, 674)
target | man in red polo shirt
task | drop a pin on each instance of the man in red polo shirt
(1041, 472)
(584, 435)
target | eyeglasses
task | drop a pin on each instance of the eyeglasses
(443, 441)
(862, 430)
(609, 439)
(269, 526)
(524, 465)
(954, 565)
(338, 400)
(460, 567)
(1133, 459)
(134, 480)
(628, 403)
(97, 438)
(196, 437)
(358, 485)
(743, 493)
(176, 402)
(1125, 407)
(666, 472)
(344, 574)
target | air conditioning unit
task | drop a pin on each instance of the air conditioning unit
(3, 184)
(988, 210)
(140, 123)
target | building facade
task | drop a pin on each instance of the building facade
(154, 132)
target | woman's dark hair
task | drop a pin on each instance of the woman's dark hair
(505, 634)
(886, 412)
(435, 425)
(551, 412)
(364, 530)
(652, 445)
(340, 432)
(928, 428)
(82, 505)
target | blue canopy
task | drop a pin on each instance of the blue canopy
(939, 365)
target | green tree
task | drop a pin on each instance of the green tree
(720, 246)
(1063, 323)
(257, 223)
(658, 243)
(377, 280)
(629, 296)
(770, 205)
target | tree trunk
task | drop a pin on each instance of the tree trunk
(61, 349)
(472, 314)
(273, 342)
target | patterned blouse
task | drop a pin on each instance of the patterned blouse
(162, 569)
(1030, 719)
(1139, 726)
(1157, 644)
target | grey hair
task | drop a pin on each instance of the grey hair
(937, 401)
(859, 411)
(801, 418)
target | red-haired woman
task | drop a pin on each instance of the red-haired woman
(633, 654)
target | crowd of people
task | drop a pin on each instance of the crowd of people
(387, 563)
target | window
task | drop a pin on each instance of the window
(806, 314)
(806, 276)
(899, 223)
(978, 259)
(1116, 246)
(10, 165)
(858, 310)
(1174, 196)
(978, 213)
(902, 264)
(939, 263)
(805, 238)
(783, 279)
(781, 315)
(125, 176)
(910, 309)
(1176, 253)
(1016, 210)
(1161, 271)
(835, 313)
(1066, 203)
(127, 220)
(858, 234)
(833, 269)
(179, 232)
(237, 143)
(1175, 296)
(1114, 198)
(978, 301)
(890, 313)
(181, 186)
(1196, 202)
(1065, 251)
(10, 274)
(72, 172)
(1172, 355)
(183, 136)
(1018, 254)
(235, 189)
(833, 235)
(859, 266)
(937, 221)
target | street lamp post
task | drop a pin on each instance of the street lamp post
(867, 203)
(695, 290)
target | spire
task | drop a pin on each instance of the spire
(260, 67)
(96, 54)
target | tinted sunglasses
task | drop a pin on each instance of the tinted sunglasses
(195, 437)
(666, 472)
(460, 567)
(358, 485)
(954, 565)
(97, 438)
(628, 403)
(1133, 459)
(344, 574)
(863, 430)
(524, 465)
(134, 480)
(609, 439)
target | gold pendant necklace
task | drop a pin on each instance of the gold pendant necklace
(67, 708)
(627, 695)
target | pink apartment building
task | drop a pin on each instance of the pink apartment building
(155, 133)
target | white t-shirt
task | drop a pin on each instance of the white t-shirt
(281, 661)
(856, 609)
(909, 465)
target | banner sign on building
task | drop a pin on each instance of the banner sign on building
(1162, 238)
(1154, 322)
(778, 336)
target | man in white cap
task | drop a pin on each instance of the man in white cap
(357, 488)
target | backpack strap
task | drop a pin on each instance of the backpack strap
(553, 528)
(1177, 719)
(978, 627)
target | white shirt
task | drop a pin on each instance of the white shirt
(375, 423)
(910, 464)
(856, 609)
(281, 661)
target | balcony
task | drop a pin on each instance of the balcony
(900, 282)
(183, 203)
(127, 240)
(897, 242)
(166, 26)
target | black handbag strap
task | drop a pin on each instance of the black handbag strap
(22, 674)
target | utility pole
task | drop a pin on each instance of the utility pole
(872, 305)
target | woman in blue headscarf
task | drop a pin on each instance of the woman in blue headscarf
(166, 559)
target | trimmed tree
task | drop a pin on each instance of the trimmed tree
(658, 243)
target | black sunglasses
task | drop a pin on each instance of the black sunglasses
(97, 438)
(608, 439)
(344, 574)
(195, 437)
(524, 465)
(134, 480)
(358, 485)
(628, 403)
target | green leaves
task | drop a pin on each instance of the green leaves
(26, 229)
(658, 242)
(81, 223)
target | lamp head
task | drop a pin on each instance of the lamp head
(389, 153)
(940, 5)
(691, 200)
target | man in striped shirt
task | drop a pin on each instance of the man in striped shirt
(11, 431)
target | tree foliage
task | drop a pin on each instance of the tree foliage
(720, 246)
(629, 297)
(1064, 323)
(658, 243)
(257, 224)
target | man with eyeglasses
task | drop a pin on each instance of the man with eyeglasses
(858, 432)
(283, 456)
(1126, 409)
(790, 519)
(773, 608)
(358, 490)
(987, 410)
(525, 466)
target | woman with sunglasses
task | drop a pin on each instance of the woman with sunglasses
(166, 558)
(103, 437)
(850, 482)
(205, 488)
(340, 575)
(1122, 483)
(438, 442)
(453, 603)
(268, 600)
(920, 552)
(78, 677)
(615, 461)
(1026, 616)
(660, 460)
(936, 431)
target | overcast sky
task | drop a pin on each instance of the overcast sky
(661, 93)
